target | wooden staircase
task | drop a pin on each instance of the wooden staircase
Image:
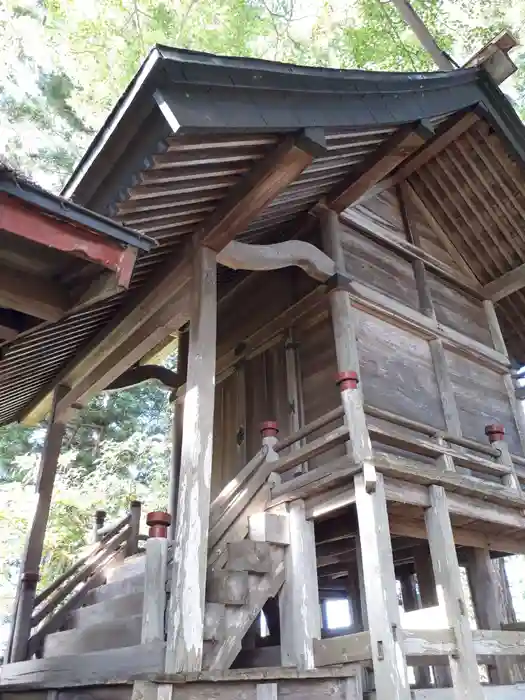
(110, 616)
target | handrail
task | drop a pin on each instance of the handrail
(112, 530)
(57, 617)
(401, 421)
(86, 570)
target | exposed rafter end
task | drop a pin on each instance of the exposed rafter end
(260, 186)
(245, 256)
(402, 144)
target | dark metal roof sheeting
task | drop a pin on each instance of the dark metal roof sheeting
(232, 113)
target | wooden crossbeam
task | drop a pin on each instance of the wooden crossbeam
(32, 295)
(446, 133)
(506, 284)
(402, 144)
(257, 189)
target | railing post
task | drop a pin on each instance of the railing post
(98, 524)
(24, 611)
(133, 540)
(154, 610)
(496, 436)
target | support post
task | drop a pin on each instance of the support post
(359, 447)
(487, 606)
(386, 637)
(190, 547)
(177, 411)
(294, 395)
(463, 664)
(299, 599)
(30, 565)
(98, 524)
(354, 597)
(132, 546)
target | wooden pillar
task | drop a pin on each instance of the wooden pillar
(487, 606)
(425, 576)
(463, 664)
(359, 447)
(294, 395)
(354, 598)
(361, 583)
(300, 613)
(177, 411)
(190, 547)
(31, 560)
(390, 669)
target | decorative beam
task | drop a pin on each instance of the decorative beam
(402, 144)
(32, 295)
(246, 256)
(260, 186)
(143, 373)
(82, 243)
(506, 284)
(446, 133)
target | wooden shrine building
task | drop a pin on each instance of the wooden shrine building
(342, 257)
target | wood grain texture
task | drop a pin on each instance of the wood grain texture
(299, 599)
(186, 610)
(390, 669)
(154, 608)
(248, 256)
(463, 665)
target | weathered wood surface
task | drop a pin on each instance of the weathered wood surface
(463, 664)
(154, 607)
(113, 666)
(186, 610)
(109, 634)
(501, 692)
(299, 599)
(384, 623)
(247, 256)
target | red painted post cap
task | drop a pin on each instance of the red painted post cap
(495, 432)
(158, 522)
(347, 380)
(269, 428)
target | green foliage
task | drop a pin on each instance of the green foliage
(65, 63)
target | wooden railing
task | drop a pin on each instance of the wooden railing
(38, 615)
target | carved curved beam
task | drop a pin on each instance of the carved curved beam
(246, 256)
(143, 373)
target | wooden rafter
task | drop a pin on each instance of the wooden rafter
(260, 186)
(402, 144)
(506, 284)
(446, 134)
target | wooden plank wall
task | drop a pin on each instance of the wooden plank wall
(397, 370)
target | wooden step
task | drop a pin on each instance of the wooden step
(246, 555)
(133, 584)
(131, 566)
(110, 609)
(269, 527)
(230, 587)
(112, 634)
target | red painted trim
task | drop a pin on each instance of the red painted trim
(28, 222)
(495, 432)
(347, 380)
(158, 523)
(269, 429)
